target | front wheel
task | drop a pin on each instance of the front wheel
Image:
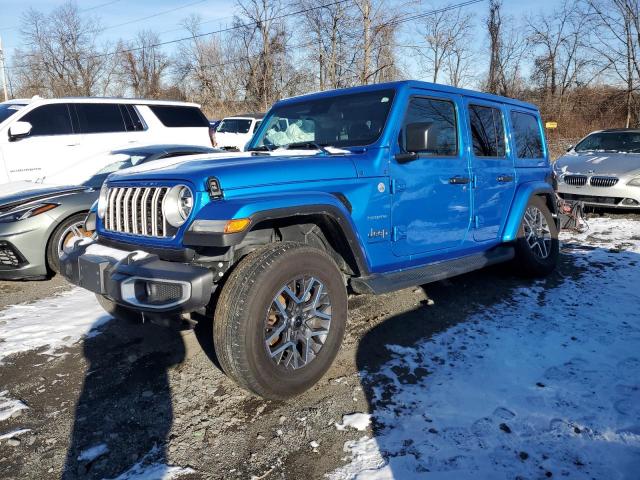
(280, 319)
(537, 246)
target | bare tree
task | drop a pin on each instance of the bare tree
(446, 45)
(61, 56)
(143, 64)
(494, 25)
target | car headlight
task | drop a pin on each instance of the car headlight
(22, 212)
(635, 182)
(177, 205)
(102, 201)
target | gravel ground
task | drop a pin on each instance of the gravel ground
(141, 394)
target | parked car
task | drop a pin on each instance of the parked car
(369, 189)
(36, 220)
(602, 170)
(233, 133)
(54, 140)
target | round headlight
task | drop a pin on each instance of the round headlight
(102, 201)
(177, 205)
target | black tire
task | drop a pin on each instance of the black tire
(120, 313)
(53, 259)
(530, 260)
(243, 312)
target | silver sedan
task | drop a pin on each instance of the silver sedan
(602, 170)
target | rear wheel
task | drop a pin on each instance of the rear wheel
(537, 246)
(280, 319)
(63, 235)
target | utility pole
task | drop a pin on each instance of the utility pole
(4, 72)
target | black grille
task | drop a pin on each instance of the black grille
(9, 257)
(591, 199)
(575, 180)
(603, 181)
(159, 293)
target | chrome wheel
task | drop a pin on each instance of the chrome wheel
(537, 232)
(72, 231)
(297, 322)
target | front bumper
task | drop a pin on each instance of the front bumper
(22, 248)
(137, 280)
(618, 196)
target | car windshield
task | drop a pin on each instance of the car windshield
(123, 161)
(346, 120)
(8, 109)
(234, 125)
(627, 142)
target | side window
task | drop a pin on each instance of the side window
(526, 132)
(487, 131)
(257, 125)
(100, 118)
(430, 127)
(53, 119)
(175, 116)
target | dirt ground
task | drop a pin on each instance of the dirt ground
(157, 393)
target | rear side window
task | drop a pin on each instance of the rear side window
(526, 132)
(176, 116)
(100, 118)
(53, 119)
(433, 121)
(487, 131)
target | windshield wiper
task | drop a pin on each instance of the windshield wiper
(311, 146)
(261, 148)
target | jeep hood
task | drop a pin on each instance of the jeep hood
(599, 163)
(242, 170)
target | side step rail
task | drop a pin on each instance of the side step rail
(431, 273)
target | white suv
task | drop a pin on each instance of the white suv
(234, 133)
(59, 140)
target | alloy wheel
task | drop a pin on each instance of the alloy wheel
(537, 232)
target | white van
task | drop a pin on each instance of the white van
(58, 140)
(233, 133)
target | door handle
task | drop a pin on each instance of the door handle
(505, 178)
(458, 180)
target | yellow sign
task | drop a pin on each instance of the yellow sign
(551, 125)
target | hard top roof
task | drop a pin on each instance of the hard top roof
(132, 101)
(405, 84)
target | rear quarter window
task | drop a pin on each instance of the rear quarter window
(177, 116)
(526, 134)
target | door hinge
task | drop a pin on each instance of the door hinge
(397, 185)
(398, 234)
(476, 221)
(474, 181)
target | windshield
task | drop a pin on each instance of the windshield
(628, 142)
(346, 120)
(234, 125)
(126, 161)
(8, 109)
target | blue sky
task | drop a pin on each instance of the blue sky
(215, 12)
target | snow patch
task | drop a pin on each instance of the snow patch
(147, 469)
(359, 421)
(544, 383)
(14, 433)
(8, 406)
(92, 453)
(56, 322)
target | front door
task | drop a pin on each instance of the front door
(493, 169)
(51, 147)
(430, 178)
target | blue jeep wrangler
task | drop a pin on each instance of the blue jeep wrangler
(362, 190)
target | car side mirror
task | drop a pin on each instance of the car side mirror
(416, 139)
(19, 130)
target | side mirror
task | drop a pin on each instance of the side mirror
(19, 130)
(416, 139)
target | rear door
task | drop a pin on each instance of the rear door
(492, 168)
(50, 148)
(431, 193)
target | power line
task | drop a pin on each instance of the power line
(129, 22)
(100, 6)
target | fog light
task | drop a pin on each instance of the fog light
(630, 201)
(150, 293)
